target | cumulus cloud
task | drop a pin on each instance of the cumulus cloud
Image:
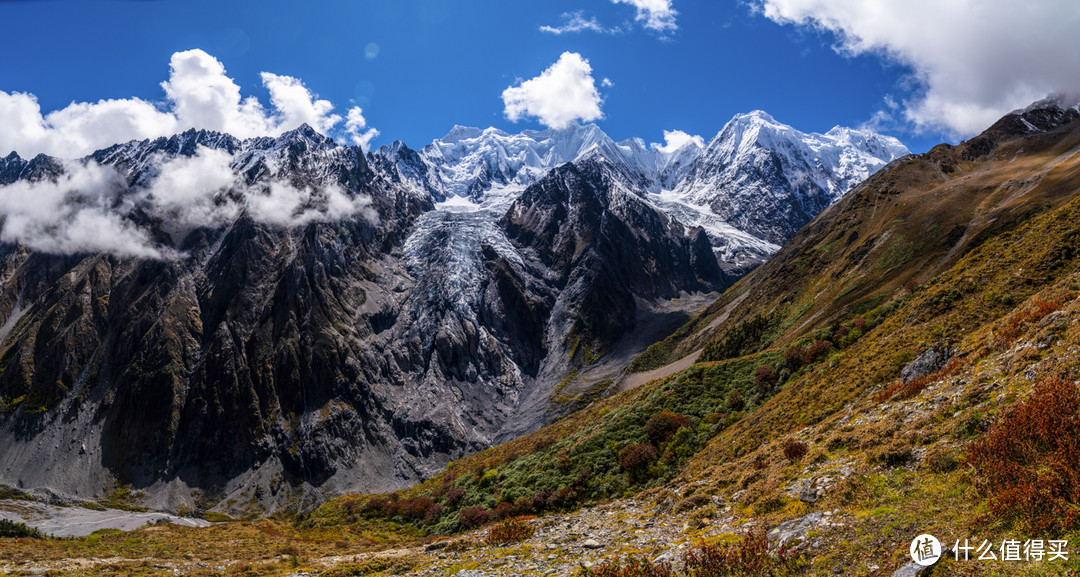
(75, 213)
(191, 192)
(656, 15)
(577, 22)
(676, 139)
(88, 208)
(561, 95)
(205, 191)
(357, 129)
(199, 94)
(974, 61)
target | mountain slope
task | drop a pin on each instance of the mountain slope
(834, 418)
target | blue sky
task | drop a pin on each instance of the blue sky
(417, 67)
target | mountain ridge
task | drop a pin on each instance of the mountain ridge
(315, 319)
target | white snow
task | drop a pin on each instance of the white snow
(485, 170)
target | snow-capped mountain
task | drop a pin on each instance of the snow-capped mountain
(491, 168)
(751, 187)
(768, 179)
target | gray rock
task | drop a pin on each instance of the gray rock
(809, 493)
(913, 569)
(932, 360)
(591, 544)
(471, 573)
(796, 528)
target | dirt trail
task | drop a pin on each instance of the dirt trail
(634, 380)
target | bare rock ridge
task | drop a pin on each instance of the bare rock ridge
(411, 306)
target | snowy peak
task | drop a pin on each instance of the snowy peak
(756, 161)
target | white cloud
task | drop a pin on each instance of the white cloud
(190, 192)
(281, 204)
(676, 139)
(657, 15)
(562, 94)
(577, 22)
(357, 129)
(88, 208)
(975, 61)
(204, 190)
(78, 128)
(73, 214)
(199, 94)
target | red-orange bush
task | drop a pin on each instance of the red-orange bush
(817, 351)
(635, 459)
(631, 566)
(1029, 462)
(749, 557)
(472, 517)
(504, 510)
(1029, 315)
(794, 357)
(794, 450)
(903, 391)
(453, 497)
(513, 530)
(765, 377)
(662, 426)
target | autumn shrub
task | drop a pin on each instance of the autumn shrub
(902, 391)
(512, 530)
(472, 517)
(1028, 463)
(630, 566)
(794, 450)
(1020, 320)
(735, 400)
(764, 378)
(635, 459)
(750, 557)
(661, 426)
(503, 511)
(816, 351)
(542, 443)
(540, 501)
(452, 497)
(432, 515)
(794, 357)
(415, 509)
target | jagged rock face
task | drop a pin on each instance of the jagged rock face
(607, 245)
(267, 364)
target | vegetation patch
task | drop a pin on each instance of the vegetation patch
(513, 530)
(1028, 464)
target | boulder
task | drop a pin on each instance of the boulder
(930, 361)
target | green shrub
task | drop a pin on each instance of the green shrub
(12, 529)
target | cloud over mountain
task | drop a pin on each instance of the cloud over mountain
(199, 94)
(564, 93)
